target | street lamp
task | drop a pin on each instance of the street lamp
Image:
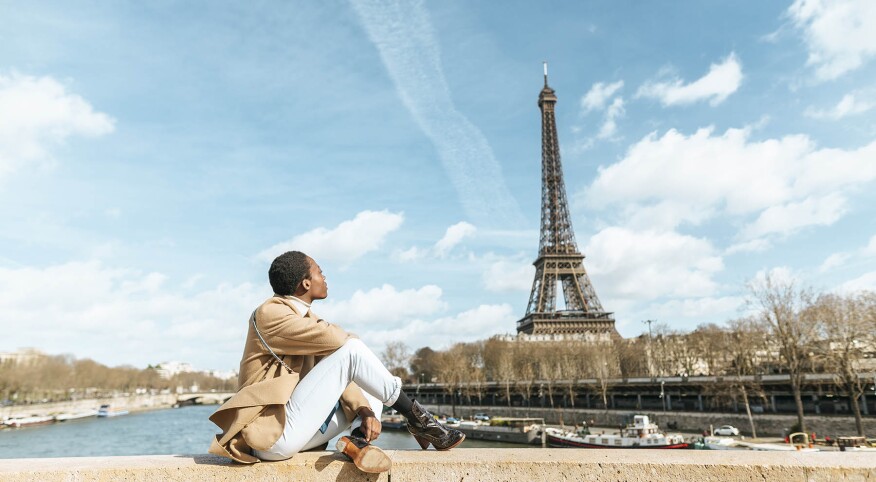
(662, 393)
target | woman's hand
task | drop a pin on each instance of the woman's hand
(370, 424)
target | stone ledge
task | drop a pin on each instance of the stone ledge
(466, 465)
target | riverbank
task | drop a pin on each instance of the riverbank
(768, 425)
(132, 403)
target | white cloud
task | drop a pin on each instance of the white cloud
(789, 217)
(404, 37)
(840, 34)
(38, 113)
(599, 94)
(646, 265)
(383, 307)
(663, 215)
(508, 274)
(693, 178)
(750, 246)
(778, 275)
(847, 106)
(118, 315)
(609, 126)
(836, 260)
(411, 254)
(870, 249)
(470, 325)
(694, 308)
(865, 282)
(722, 80)
(453, 236)
(346, 243)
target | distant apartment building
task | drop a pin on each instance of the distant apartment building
(170, 368)
(223, 374)
(22, 355)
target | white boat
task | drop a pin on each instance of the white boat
(727, 443)
(768, 447)
(641, 434)
(75, 416)
(721, 443)
(28, 421)
(104, 411)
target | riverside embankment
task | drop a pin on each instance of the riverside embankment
(775, 425)
(132, 403)
(466, 465)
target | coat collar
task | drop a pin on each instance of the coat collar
(287, 300)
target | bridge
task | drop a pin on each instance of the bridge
(204, 398)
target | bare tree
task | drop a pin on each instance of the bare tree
(525, 370)
(453, 371)
(633, 357)
(473, 384)
(499, 364)
(849, 330)
(785, 309)
(424, 364)
(572, 366)
(397, 358)
(603, 366)
(746, 342)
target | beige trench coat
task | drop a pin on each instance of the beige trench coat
(255, 416)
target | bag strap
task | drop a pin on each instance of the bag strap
(258, 333)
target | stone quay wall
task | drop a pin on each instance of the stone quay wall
(131, 403)
(766, 424)
(469, 465)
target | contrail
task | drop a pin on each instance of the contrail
(403, 34)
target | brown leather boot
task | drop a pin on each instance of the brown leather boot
(365, 456)
(427, 430)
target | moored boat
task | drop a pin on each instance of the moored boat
(641, 434)
(393, 421)
(510, 430)
(105, 411)
(721, 443)
(854, 444)
(28, 421)
(75, 416)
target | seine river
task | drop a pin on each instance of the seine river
(171, 431)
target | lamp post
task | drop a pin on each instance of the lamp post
(662, 395)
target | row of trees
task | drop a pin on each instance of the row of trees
(62, 377)
(789, 330)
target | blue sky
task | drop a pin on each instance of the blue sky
(155, 157)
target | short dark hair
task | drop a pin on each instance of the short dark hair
(287, 272)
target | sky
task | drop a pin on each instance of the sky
(156, 156)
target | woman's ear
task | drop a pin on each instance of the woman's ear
(305, 284)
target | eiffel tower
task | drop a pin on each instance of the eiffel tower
(559, 260)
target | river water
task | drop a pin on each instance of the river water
(172, 431)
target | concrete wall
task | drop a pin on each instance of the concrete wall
(466, 465)
(131, 403)
(766, 424)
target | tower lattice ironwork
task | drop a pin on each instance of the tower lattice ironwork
(559, 261)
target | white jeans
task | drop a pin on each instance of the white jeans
(318, 392)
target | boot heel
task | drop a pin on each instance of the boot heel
(424, 444)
